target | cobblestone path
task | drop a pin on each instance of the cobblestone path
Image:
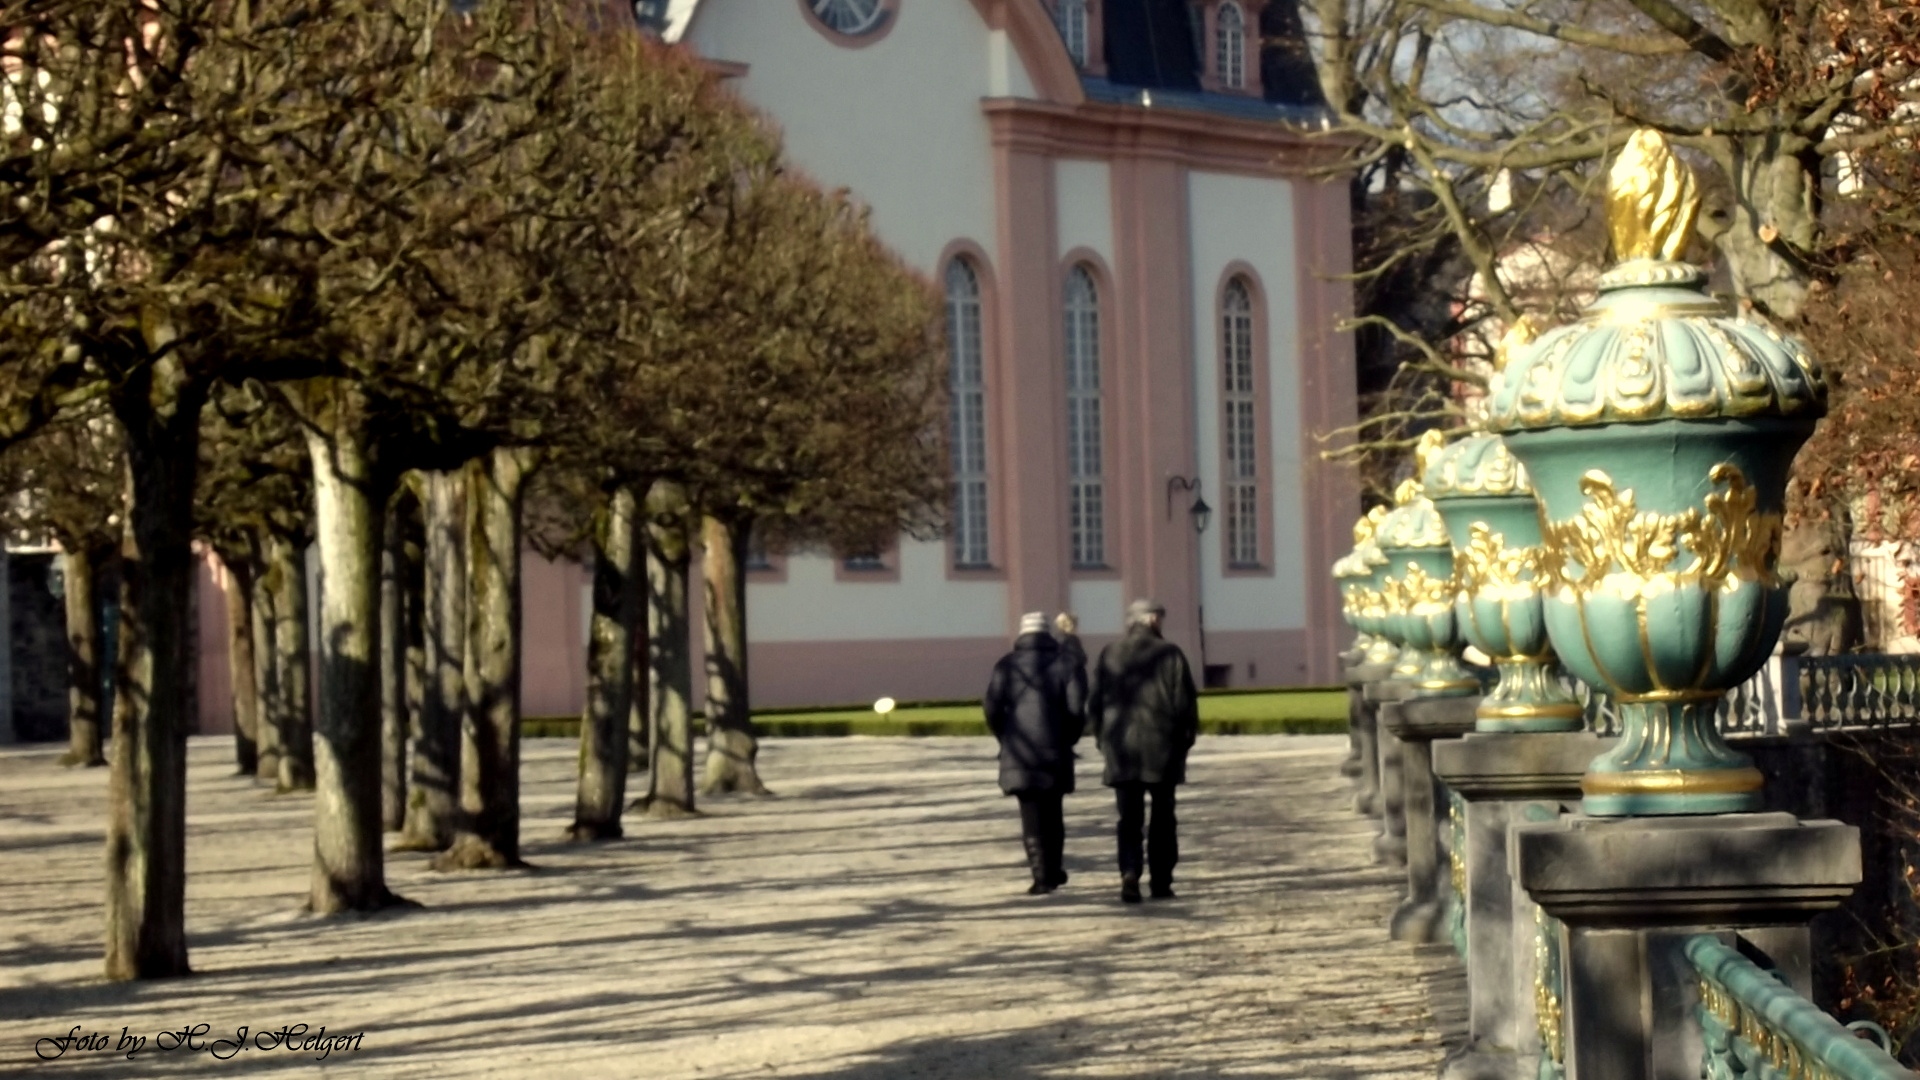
(868, 923)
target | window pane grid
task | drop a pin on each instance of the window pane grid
(1073, 29)
(1243, 525)
(1086, 519)
(1231, 37)
(1240, 435)
(965, 372)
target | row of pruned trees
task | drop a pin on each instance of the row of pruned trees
(415, 288)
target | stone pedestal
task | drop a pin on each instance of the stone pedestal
(1416, 723)
(1363, 727)
(1350, 768)
(1630, 891)
(1390, 847)
(1505, 778)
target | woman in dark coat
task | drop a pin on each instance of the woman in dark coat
(1035, 706)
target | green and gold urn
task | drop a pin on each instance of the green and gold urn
(1359, 574)
(1419, 591)
(1483, 494)
(1658, 431)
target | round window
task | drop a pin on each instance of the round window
(849, 16)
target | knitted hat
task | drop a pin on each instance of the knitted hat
(1140, 610)
(1033, 622)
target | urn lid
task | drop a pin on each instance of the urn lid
(1413, 522)
(1359, 562)
(1654, 346)
(1477, 466)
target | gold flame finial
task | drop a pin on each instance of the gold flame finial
(1408, 491)
(1427, 449)
(1522, 334)
(1363, 530)
(1651, 200)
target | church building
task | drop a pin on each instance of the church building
(1143, 280)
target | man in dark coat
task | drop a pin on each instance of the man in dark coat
(1036, 707)
(1145, 716)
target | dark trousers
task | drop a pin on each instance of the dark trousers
(1044, 830)
(1163, 840)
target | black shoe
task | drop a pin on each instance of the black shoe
(1129, 891)
(1039, 888)
(1162, 892)
(1059, 878)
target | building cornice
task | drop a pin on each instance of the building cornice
(1197, 140)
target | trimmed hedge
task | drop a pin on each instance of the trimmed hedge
(1266, 712)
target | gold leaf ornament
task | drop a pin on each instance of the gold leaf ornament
(1612, 543)
(1488, 567)
(1368, 527)
(1520, 335)
(1430, 445)
(1651, 200)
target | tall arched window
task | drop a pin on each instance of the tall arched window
(967, 379)
(1073, 28)
(1086, 517)
(1239, 434)
(1230, 45)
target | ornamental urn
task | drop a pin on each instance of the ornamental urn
(1417, 586)
(1359, 575)
(1483, 494)
(1658, 430)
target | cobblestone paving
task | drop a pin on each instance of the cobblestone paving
(868, 923)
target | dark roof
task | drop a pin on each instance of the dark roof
(1235, 105)
(1286, 66)
(1150, 45)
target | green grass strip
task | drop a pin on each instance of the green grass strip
(1271, 712)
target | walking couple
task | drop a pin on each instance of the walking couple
(1145, 715)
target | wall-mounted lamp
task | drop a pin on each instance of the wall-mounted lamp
(1200, 512)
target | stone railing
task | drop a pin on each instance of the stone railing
(1778, 693)
(1754, 1026)
(1860, 690)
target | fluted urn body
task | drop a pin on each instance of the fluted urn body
(1658, 431)
(1419, 591)
(1486, 499)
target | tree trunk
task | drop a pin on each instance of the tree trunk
(670, 790)
(731, 743)
(1772, 189)
(639, 736)
(433, 803)
(349, 494)
(489, 835)
(265, 618)
(147, 805)
(393, 676)
(605, 729)
(292, 665)
(413, 550)
(83, 661)
(246, 699)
